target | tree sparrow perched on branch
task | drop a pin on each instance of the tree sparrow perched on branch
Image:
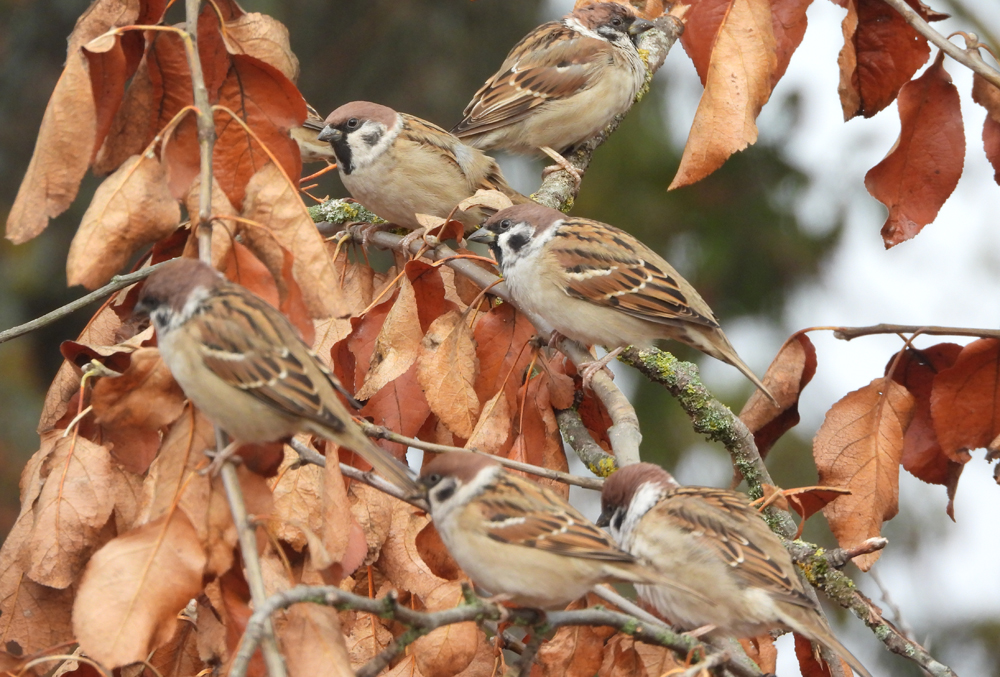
(712, 541)
(599, 285)
(518, 540)
(561, 84)
(243, 364)
(398, 165)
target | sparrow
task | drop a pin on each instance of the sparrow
(561, 84)
(518, 540)
(598, 285)
(398, 165)
(306, 135)
(712, 541)
(244, 365)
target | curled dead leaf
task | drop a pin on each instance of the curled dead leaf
(446, 369)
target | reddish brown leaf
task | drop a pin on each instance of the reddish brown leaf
(881, 53)
(109, 69)
(133, 589)
(988, 96)
(859, 447)
(336, 517)
(298, 495)
(807, 501)
(924, 166)
(788, 375)
(761, 651)
(536, 434)
(446, 369)
(493, 429)
(397, 343)
(245, 269)
(264, 38)
(448, 650)
(788, 22)
(53, 177)
(273, 201)
(270, 105)
(312, 643)
(574, 651)
(737, 78)
(400, 406)
(372, 509)
(130, 128)
(810, 664)
(965, 406)
(922, 453)
(401, 560)
(501, 335)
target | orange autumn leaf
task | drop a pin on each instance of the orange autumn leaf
(761, 651)
(789, 373)
(859, 447)
(965, 406)
(447, 367)
(809, 664)
(923, 168)
(739, 36)
(881, 53)
(923, 456)
(987, 95)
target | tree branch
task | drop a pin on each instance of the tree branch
(117, 282)
(841, 589)
(598, 461)
(474, 609)
(849, 333)
(974, 62)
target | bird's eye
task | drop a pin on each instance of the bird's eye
(433, 479)
(352, 123)
(616, 22)
(505, 224)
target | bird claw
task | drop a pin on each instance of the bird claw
(561, 164)
(590, 369)
(219, 459)
(370, 229)
(410, 238)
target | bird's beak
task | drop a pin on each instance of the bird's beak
(605, 518)
(330, 134)
(640, 26)
(483, 235)
(417, 493)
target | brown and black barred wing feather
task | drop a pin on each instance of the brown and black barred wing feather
(550, 524)
(263, 355)
(550, 63)
(727, 524)
(618, 271)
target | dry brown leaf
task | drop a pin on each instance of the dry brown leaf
(265, 38)
(859, 447)
(273, 201)
(131, 209)
(788, 375)
(298, 495)
(53, 177)
(131, 127)
(133, 588)
(337, 521)
(401, 560)
(109, 69)
(446, 369)
(923, 168)
(922, 453)
(223, 231)
(372, 509)
(657, 660)
(35, 617)
(211, 633)
(450, 649)
(312, 644)
(810, 664)
(71, 511)
(177, 658)
(761, 651)
(737, 82)
(575, 650)
(881, 53)
(397, 344)
(367, 637)
(964, 402)
(501, 335)
(538, 440)
(807, 501)
(493, 429)
(491, 199)
(988, 96)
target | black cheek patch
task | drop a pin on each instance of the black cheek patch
(517, 241)
(617, 520)
(372, 138)
(444, 493)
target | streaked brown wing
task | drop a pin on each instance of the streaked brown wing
(535, 517)
(551, 63)
(263, 355)
(739, 536)
(620, 272)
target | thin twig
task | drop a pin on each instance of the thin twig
(598, 461)
(201, 222)
(523, 664)
(975, 64)
(904, 627)
(117, 282)
(848, 333)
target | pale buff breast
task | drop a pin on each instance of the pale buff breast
(427, 183)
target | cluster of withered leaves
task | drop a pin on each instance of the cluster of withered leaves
(930, 408)
(121, 545)
(741, 49)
